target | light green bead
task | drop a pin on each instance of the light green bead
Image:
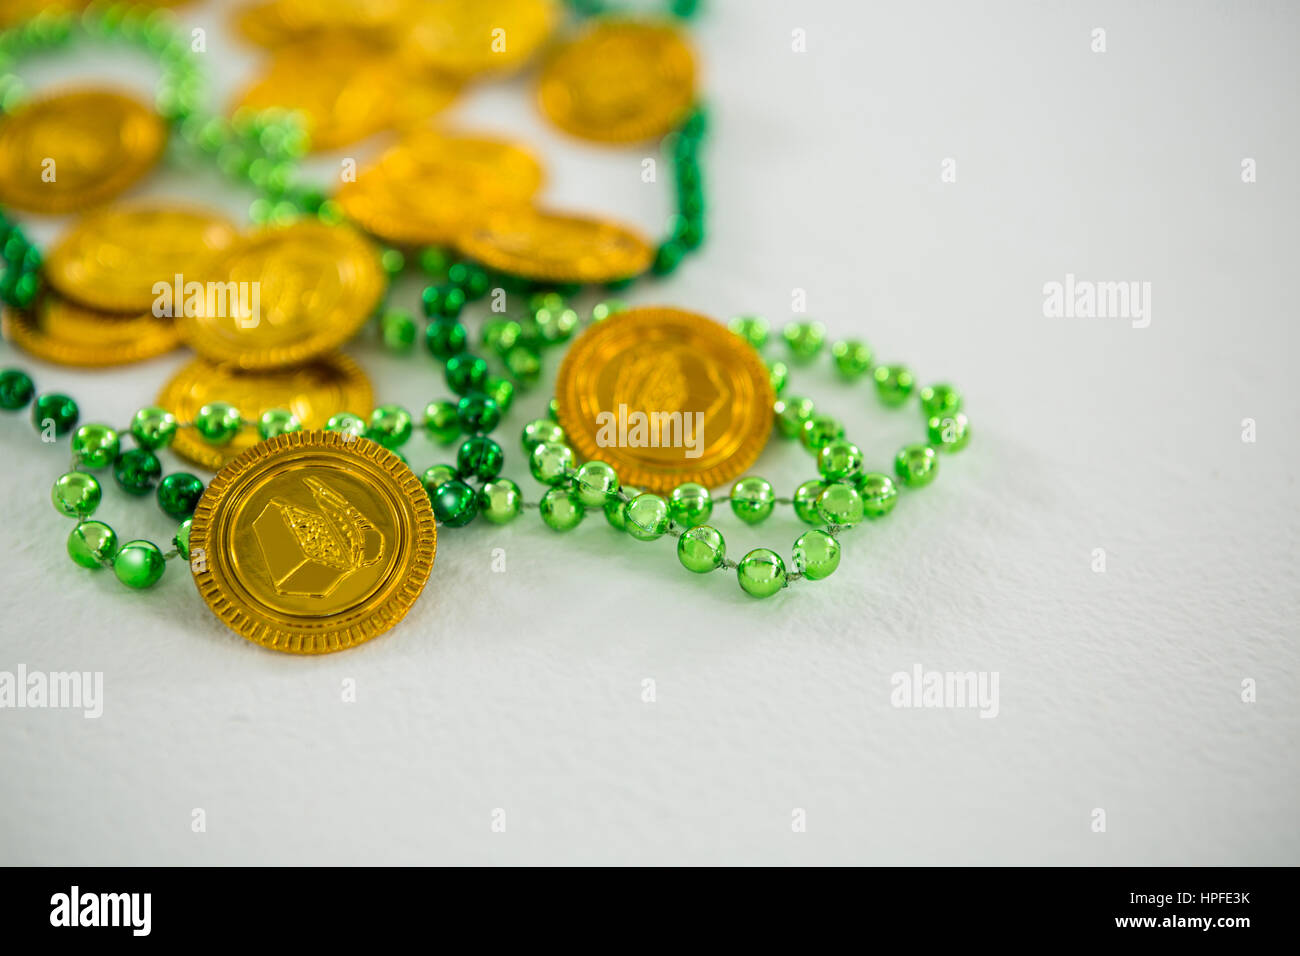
(139, 564)
(916, 465)
(752, 328)
(95, 446)
(852, 359)
(501, 391)
(879, 494)
(553, 409)
(561, 510)
(701, 549)
(839, 459)
(217, 423)
(761, 573)
(690, 504)
(540, 430)
(894, 384)
(949, 433)
(791, 413)
(752, 499)
(594, 483)
(277, 421)
(840, 504)
(816, 555)
(603, 310)
(390, 426)
(646, 517)
(182, 539)
(805, 339)
(92, 544)
(805, 501)
(819, 431)
(500, 501)
(550, 462)
(153, 428)
(76, 494)
(616, 508)
(778, 374)
(940, 401)
(442, 421)
(436, 475)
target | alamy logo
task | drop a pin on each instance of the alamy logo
(75, 908)
(638, 429)
(241, 301)
(946, 689)
(1085, 299)
(71, 690)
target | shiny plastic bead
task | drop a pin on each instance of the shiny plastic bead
(445, 338)
(139, 564)
(840, 504)
(646, 517)
(839, 459)
(442, 421)
(916, 465)
(500, 501)
(397, 328)
(752, 499)
(501, 391)
(778, 374)
(477, 414)
(603, 310)
(550, 462)
(701, 549)
(436, 475)
(524, 364)
(761, 573)
(345, 423)
(76, 494)
(390, 426)
(553, 409)
(752, 328)
(540, 430)
(560, 509)
(179, 494)
(92, 544)
(616, 508)
(879, 494)
(501, 335)
(454, 503)
(805, 339)
(277, 421)
(442, 301)
(816, 555)
(137, 471)
(217, 423)
(594, 483)
(852, 359)
(819, 431)
(805, 501)
(480, 458)
(556, 324)
(791, 413)
(16, 389)
(181, 540)
(59, 411)
(949, 433)
(690, 504)
(466, 373)
(95, 446)
(153, 428)
(940, 401)
(894, 384)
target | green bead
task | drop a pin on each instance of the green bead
(442, 301)
(894, 384)
(217, 423)
(92, 544)
(556, 325)
(524, 364)
(500, 501)
(541, 430)
(594, 483)
(179, 494)
(752, 499)
(553, 409)
(480, 458)
(805, 339)
(139, 564)
(816, 555)
(616, 508)
(501, 391)
(501, 335)
(277, 421)
(751, 328)
(940, 401)
(454, 503)
(805, 501)
(397, 327)
(442, 421)
(646, 517)
(390, 426)
(434, 261)
(603, 310)
(879, 494)
(839, 459)
(819, 431)
(181, 541)
(840, 504)
(667, 258)
(95, 446)
(153, 428)
(550, 462)
(761, 573)
(345, 423)
(137, 471)
(436, 475)
(477, 413)
(466, 373)
(58, 410)
(701, 549)
(561, 510)
(16, 389)
(852, 359)
(916, 465)
(949, 432)
(445, 338)
(392, 261)
(778, 374)
(791, 413)
(76, 494)
(690, 504)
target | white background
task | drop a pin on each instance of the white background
(523, 690)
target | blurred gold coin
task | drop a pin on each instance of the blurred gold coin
(665, 396)
(467, 37)
(619, 82)
(313, 391)
(279, 22)
(283, 295)
(75, 149)
(69, 334)
(113, 258)
(556, 247)
(311, 542)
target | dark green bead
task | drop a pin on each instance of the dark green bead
(434, 261)
(181, 540)
(218, 423)
(92, 544)
(58, 410)
(397, 327)
(667, 258)
(436, 475)
(139, 564)
(455, 503)
(16, 389)
(761, 573)
(561, 510)
(390, 426)
(95, 446)
(701, 549)
(137, 471)
(686, 232)
(346, 423)
(466, 373)
(442, 421)
(445, 338)
(479, 457)
(477, 413)
(524, 364)
(501, 391)
(179, 494)
(275, 422)
(501, 335)
(76, 494)
(443, 301)
(153, 428)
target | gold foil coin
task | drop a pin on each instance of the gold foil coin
(665, 396)
(312, 542)
(556, 247)
(113, 258)
(313, 391)
(71, 150)
(70, 334)
(620, 81)
(467, 37)
(283, 295)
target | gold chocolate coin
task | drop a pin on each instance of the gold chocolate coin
(619, 82)
(467, 37)
(313, 391)
(665, 396)
(556, 247)
(75, 149)
(283, 295)
(113, 258)
(312, 542)
(69, 334)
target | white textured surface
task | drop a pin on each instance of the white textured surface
(522, 690)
